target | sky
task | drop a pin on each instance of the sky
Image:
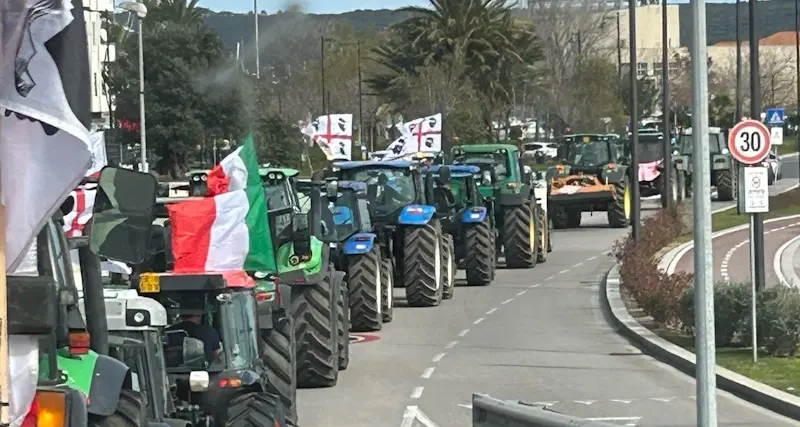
(332, 6)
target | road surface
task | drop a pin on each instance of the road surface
(538, 335)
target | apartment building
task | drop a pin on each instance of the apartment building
(648, 37)
(100, 52)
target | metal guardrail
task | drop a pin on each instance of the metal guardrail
(491, 412)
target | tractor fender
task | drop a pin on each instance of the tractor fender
(416, 215)
(518, 198)
(474, 215)
(109, 378)
(359, 243)
(617, 175)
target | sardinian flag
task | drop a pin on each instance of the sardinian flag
(82, 199)
(333, 133)
(403, 147)
(97, 148)
(427, 133)
(44, 140)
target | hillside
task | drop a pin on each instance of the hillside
(290, 27)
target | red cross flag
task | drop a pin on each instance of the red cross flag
(427, 133)
(333, 133)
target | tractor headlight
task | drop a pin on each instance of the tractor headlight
(137, 317)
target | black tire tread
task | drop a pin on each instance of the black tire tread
(131, 411)
(387, 281)
(449, 251)
(724, 185)
(317, 360)
(255, 410)
(364, 300)
(280, 361)
(516, 236)
(558, 215)
(419, 265)
(480, 258)
(343, 317)
(543, 228)
(616, 208)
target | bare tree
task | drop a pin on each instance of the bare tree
(776, 66)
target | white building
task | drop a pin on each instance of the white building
(100, 52)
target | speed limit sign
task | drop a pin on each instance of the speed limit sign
(749, 142)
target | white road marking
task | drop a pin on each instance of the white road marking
(413, 413)
(663, 399)
(550, 278)
(478, 320)
(621, 401)
(591, 258)
(521, 293)
(428, 372)
(465, 406)
(585, 402)
(545, 403)
(464, 332)
(577, 265)
(563, 271)
(450, 345)
(507, 301)
(417, 392)
(491, 311)
(438, 357)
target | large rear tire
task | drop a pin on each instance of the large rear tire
(387, 299)
(343, 317)
(130, 412)
(724, 185)
(280, 360)
(481, 259)
(316, 332)
(619, 210)
(422, 264)
(364, 279)
(255, 410)
(543, 227)
(520, 236)
(560, 218)
(448, 267)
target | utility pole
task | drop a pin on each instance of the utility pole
(797, 68)
(619, 47)
(739, 63)
(322, 69)
(757, 219)
(258, 52)
(360, 102)
(633, 107)
(666, 191)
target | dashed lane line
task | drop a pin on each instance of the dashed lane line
(723, 267)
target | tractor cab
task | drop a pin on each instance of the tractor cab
(198, 182)
(591, 154)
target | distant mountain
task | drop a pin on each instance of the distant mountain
(297, 35)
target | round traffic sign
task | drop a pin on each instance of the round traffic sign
(749, 142)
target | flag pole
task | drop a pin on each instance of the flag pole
(5, 379)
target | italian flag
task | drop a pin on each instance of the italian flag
(229, 230)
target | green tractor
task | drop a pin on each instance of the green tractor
(318, 290)
(593, 176)
(516, 209)
(723, 166)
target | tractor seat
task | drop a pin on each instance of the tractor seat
(444, 199)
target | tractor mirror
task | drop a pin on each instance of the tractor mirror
(123, 215)
(486, 181)
(301, 234)
(194, 352)
(332, 189)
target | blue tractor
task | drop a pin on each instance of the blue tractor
(407, 227)
(468, 219)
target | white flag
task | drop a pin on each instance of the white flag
(427, 133)
(97, 148)
(333, 133)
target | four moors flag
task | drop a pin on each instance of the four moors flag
(229, 230)
(333, 133)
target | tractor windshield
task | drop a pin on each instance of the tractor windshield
(346, 214)
(651, 147)
(499, 162)
(237, 318)
(716, 143)
(388, 189)
(585, 152)
(280, 196)
(143, 353)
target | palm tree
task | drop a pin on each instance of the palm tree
(184, 12)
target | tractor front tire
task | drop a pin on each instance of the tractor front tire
(543, 228)
(422, 264)
(387, 282)
(131, 412)
(724, 185)
(519, 250)
(558, 215)
(316, 332)
(617, 217)
(448, 267)
(280, 360)
(343, 317)
(258, 409)
(364, 279)
(481, 259)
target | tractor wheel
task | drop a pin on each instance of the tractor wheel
(130, 412)
(280, 359)
(520, 236)
(316, 332)
(481, 259)
(725, 185)
(422, 264)
(343, 317)
(255, 410)
(543, 227)
(448, 267)
(574, 217)
(387, 279)
(619, 210)
(560, 217)
(364, 279)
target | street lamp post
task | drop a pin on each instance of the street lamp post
(757, 219)
(797, 69)
(141, 12)
(666, 190)
(633, 108)
(258, 52)
(322, 70)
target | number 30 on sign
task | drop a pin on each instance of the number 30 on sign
(749, 142)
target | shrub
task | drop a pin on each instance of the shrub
(731, 311)
(782, 321)
(655, 292)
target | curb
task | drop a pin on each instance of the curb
(669, 262)
(784, 262)
(787, 156)
(757, 393)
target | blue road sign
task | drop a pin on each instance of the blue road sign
(775, 116)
